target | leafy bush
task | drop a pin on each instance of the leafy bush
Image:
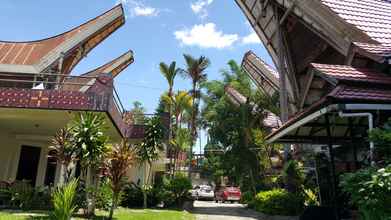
(81, 195)
(64, 201)
(370, 190)
(293, 176)
(104, 195)
(133, 196)
(382, 138)
(311, 198)
(247, 198)
(177, 190)
(21, 195)
(279, 202)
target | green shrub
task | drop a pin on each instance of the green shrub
(81, 195)
(293, 176)
(104, 195)
(64, 201)
(279, 202)
(370, 191)
(311, 197)
(177, 190)
(247, 197)
(133, 197)
(21, 195)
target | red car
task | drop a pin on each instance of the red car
(228, 193)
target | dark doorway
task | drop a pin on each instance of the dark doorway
(51, 168)
(28, 164)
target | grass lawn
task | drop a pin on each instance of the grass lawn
(120, 214)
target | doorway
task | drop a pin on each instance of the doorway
(28, 164)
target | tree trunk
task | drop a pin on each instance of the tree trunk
(175, 162)
(145, 186)
(193, 126)
(92, 183)
(170, 131)
(113, 205)
(252, 182)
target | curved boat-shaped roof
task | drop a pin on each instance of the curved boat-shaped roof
(264, 76)
(112, 68)
(235, 96)
(43, 55)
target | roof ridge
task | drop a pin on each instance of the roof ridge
(68, 31)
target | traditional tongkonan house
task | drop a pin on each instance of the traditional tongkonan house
(38, 96)
(333, 60)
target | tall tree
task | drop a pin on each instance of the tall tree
(195, 70)
(169, 73)
(148, 151)
(181, 104)
(233, 130)
(119, 159)
(88, 130)
(138, 113)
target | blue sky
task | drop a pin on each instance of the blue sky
(156, 30)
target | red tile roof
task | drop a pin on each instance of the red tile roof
(371, 16)
(381, 50)
(340, 94)
(348, 73)
(350, 93)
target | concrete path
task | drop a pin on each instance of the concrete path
(209, 210)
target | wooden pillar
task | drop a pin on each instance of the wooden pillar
(283, 92)
(332, 162)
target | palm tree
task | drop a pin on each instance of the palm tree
(181, 143)
(195, 69)
(88, 134)
(169, 72)
(148, 151)
(181, 104)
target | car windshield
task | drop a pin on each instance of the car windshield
(206, 188)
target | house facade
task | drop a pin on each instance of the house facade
(38, 96)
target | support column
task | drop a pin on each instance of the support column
(332, 162)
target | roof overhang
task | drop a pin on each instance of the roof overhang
(315, 15)
(310, 127)
(61, 52)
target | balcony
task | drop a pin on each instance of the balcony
(61, 93)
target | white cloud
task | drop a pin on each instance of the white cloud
(205, 36)
(138, 8)
(199, 7)
(145, 11)
(251, 39)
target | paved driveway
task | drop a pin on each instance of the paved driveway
(209, 210)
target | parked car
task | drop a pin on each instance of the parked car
(203, 192)
(228, 193)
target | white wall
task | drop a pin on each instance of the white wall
(10, 146)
